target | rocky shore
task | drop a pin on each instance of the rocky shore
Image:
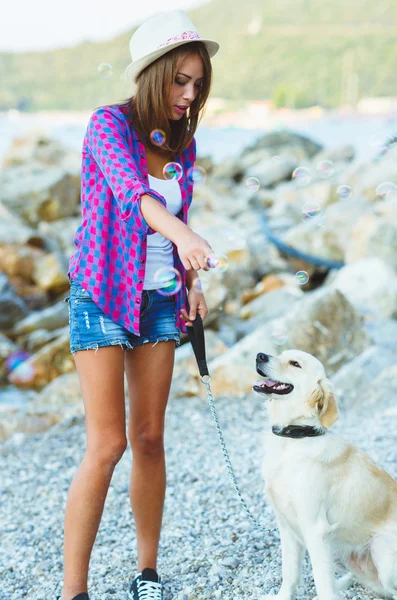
(311, 239)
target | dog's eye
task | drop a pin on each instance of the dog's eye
(295, 364)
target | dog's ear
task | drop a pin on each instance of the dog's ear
(324, 401)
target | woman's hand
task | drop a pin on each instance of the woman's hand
(197, 304)
(192, 249)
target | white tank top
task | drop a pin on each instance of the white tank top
(159, 249)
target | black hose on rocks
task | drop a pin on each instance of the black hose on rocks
(286, 249)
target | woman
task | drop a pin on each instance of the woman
(134, 226)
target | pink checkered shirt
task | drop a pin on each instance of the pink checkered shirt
(111, 240)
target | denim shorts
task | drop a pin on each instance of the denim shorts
(90, 328)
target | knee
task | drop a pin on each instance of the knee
(107, 451)
(148, 441)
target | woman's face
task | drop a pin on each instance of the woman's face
(186, 86)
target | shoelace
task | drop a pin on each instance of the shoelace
(149, 590)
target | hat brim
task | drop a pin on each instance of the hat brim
(134, 68)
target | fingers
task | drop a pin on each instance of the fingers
(185, 316)
(186, 263)
(195, 263)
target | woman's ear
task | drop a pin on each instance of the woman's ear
(324, 401)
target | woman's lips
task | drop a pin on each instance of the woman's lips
(180, 111)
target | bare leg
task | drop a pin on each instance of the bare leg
(149, 371)
(101, 375)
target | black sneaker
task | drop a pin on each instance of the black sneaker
(82, 596)
(146, 586)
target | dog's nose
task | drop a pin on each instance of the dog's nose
(263, 357)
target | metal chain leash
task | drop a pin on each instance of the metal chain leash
(205, 379)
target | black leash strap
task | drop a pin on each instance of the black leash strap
(196, 337)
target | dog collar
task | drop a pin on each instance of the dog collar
(297, 431)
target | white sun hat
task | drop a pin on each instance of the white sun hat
(157, 36)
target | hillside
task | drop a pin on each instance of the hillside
(297, 52)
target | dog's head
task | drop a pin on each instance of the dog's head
(296, 385)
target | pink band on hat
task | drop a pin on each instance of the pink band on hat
(186, 35)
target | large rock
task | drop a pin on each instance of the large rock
(25, 420)
(287, 147)
(356, 282)
(37, 146)
(269, 306)
(50, 318)
(50, 272)
(375, 234)
(323, 323)
(12, 307)
(326, 325)
(381, 393)
(365, 177)
(61, 393)
(12, 228)
(7, 347)
(224, 237)
(269, 173)
(61, 233)
(327, 238)
(19, 261)
(40, 193)
(35, 340)
(217, 199)
(49, 362)
(276, 142)
(352, 380)
(267, 284)
(341, 153)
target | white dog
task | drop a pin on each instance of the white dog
(328, 496)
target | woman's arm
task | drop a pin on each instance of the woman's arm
(192, 248)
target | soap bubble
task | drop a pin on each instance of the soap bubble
(217, 261)
(19, 370)
(380, 142)
(311, 210)
(279, 336)
(325, 168)
(105, 70)
(172, 170)
(197, 174)
(302, 277)
(200, 285)
(169, 280)
(386, 188)
(16, 358)
(344, 192)
(301, 176)
(252, 184)
(158, 137)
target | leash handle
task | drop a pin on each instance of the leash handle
(196, 337)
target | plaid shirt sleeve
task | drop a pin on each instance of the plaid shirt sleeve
(106, 141)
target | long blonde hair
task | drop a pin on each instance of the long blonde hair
(147, 109)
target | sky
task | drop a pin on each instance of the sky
(48, 24)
